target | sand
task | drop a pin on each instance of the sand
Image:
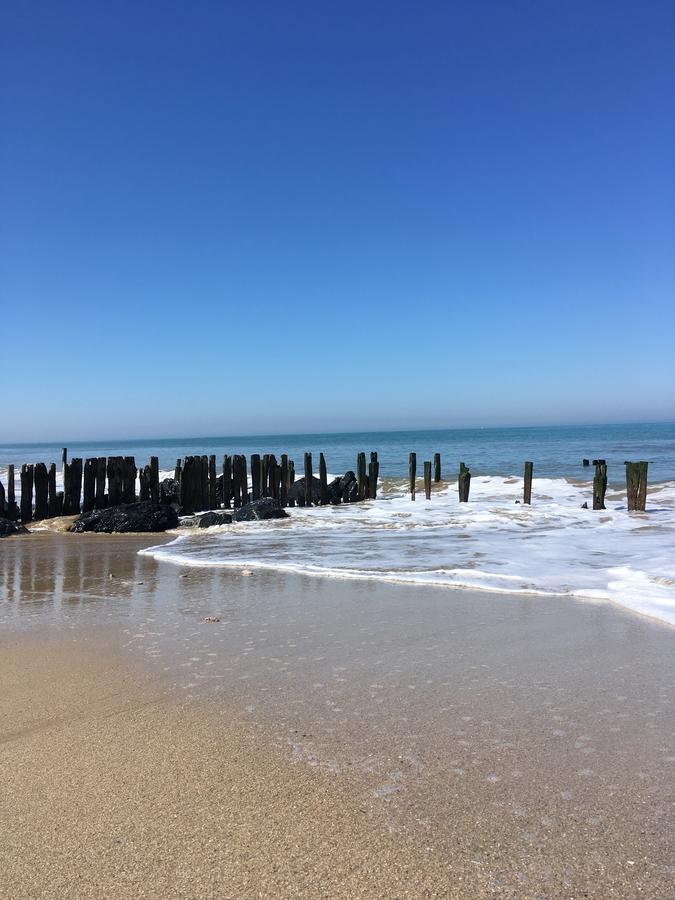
(321, 738)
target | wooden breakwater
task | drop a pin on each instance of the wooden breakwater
(202, 482)
(198, 483)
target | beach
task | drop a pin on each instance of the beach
(185, 731)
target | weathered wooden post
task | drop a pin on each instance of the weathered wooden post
(256, 476)
(291, 480)
(373, 475)
(89, 488)
(227, 481)
(437, 467)
(26, 493)
(144, 484)
(154, 480)
(362, 475)
(599, 483)
(114, 481)
(12, 511)
(308, 480)
(128, 479)
(41, 479)
(203, 482)
(244, 481)
(463, 483)
(284, 479)
(527, 483)
(178, 472)
(101, 468)
(236, 480)
(636, 485)
(3, 506)
(72, 487)
(54, 500)
(412, 474)
(323, 479)
(213, 482)
(427, 479)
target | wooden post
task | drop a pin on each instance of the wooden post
(26, 493)
(11, 495)
(227, 481)
(308, 480)
(527, 483)
(101, 467)
(114, 481)
(291, 480)
(437, 467)
(89, 491)
(144, 483)
(427, 479)
(2, 501)
(256, 476)
(203, 482)
(52, 502)
(284, 479)
(236, 481)
(41, 479)
(154, 480)
(636, 485)
(128, 479)
(244, 481)
(463, 483)
(212, 482)
(323, 479)
(72, 487)
(599, 483)
(412, 474)
(184, 490)
(373, 475)
(362, 475)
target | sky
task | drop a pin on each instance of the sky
(232, 218)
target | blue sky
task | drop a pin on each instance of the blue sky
(256, 217)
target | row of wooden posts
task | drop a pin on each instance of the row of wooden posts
(199, 486)
(636, 481)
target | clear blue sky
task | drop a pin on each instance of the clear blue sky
(222, 218)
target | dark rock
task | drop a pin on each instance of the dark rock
(206, 520)
(297, 490)
(585, 462)
(169, 492)
(129, 517)
(265, 508)
(7, 528)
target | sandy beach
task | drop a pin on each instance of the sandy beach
(188, 732)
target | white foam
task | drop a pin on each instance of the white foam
(491, 543)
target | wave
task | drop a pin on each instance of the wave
(491, 543)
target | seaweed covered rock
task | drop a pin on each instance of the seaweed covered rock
(265, 508)
(129, 517)
(7, 528)
(206, 520)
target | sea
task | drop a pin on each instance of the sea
(492, 543)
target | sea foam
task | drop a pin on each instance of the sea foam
(491, 543)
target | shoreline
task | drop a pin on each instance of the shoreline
(525, 743)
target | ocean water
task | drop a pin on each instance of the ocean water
(492, 543)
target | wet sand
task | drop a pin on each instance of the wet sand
(322, 738)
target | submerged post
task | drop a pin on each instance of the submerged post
(527, 483)
(437, 467)
(636, 485)
(463, 483)
(427, 479)
(599, 483)
(361, 476)
(11, 495)
(412, 473)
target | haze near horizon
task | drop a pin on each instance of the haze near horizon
(253, 219)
